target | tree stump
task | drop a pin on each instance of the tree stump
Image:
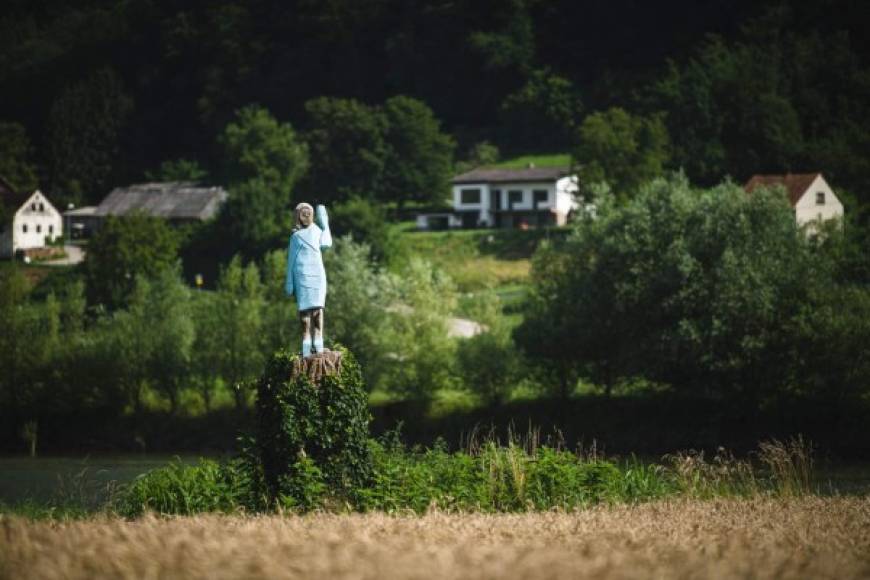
(317, 366)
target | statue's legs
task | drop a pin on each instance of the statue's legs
(305, 320)
(317, 323)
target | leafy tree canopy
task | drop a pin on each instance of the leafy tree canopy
(124, 248)
(16, 165)
(85, 127)
(367, 222)
(178, 170)
(712, 292)
(257, 146)
(419, 160)
(348, 149)
(621, 149)
(542, 114)
(263, 161)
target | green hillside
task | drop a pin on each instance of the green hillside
(481, 259)
(543, 160)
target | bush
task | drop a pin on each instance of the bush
(367, 222)
(310, 435)
(416, 481)
(494, 478)
(186, 489)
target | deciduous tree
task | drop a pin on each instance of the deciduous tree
(348, 149)
(712, 292)
(621, 149)
(84, 134)
(16, 157)
(419, 156)
(124, 248)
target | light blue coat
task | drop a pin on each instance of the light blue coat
(306, 277)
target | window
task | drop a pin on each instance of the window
(33, 206)
(540, 196)
(515, 196)
(51, 229)
(38, 228)
(469, 196)
(496, 199)
(24, 228)
(41, 206)
(820, 198)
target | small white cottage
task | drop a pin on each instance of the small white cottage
(809, 194)
(30, 221)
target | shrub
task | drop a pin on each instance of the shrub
(186, 489)
(492, 478)
(495, 479)
(310, 435)
(562, 479)
(417, 481)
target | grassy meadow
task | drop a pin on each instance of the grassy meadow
(807, 537)
(480, 259)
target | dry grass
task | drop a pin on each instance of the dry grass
(806, 537)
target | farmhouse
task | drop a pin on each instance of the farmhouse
(176, 201)
(809, 194)
(508, 198)
(28, 220)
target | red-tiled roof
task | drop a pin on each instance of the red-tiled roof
(796, 184)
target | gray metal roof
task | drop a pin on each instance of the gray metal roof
(170, 200)
(528, 174)
(86, 210)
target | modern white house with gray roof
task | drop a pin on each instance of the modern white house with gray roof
(511, 198)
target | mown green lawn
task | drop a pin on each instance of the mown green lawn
(481, 259)
(544, 160)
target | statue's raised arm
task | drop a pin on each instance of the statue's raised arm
(322, 219)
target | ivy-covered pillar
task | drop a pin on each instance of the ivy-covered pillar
(312, 429)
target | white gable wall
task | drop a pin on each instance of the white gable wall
(808, 208)
(34, 221)
(566, 200)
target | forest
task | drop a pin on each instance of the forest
(371, 107)
(107, 91)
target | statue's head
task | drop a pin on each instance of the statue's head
(304, 215)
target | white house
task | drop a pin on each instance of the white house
(505, 198)
(810, 195)
(34, 221)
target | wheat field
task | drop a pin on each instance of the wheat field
(808, 537)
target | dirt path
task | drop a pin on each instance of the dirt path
(74, 255)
